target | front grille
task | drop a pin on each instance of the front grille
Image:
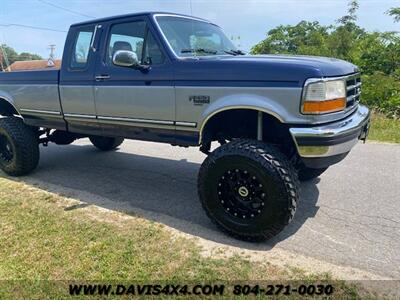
(353, 85)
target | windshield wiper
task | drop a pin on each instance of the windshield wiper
(235, 52)
(199, 50)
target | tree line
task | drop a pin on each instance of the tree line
(8, 55)
(376, 53)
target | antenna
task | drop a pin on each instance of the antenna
(191, 8)
(192, 24)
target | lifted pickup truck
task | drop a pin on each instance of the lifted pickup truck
(178, 79)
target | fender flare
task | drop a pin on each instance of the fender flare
(6, 97)
(242, 101)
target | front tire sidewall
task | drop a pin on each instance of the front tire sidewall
(272, 170)
(274, 202)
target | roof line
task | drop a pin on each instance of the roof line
(134, 15)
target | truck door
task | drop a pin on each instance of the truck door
(77, 79)
(131, 102)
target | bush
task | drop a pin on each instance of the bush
(382, 92)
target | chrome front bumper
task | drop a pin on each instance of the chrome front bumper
(334, 139)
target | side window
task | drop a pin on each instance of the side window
(136, 37)
(81, 49)
(127, 36)
(152, 54)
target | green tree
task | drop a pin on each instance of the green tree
(345, 36)
(376, 53)
(351, 16)
(395, 13)
(8, 55)
(29, 56)
(303, 38)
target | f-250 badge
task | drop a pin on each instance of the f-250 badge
(199, 100)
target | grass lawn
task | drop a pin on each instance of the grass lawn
(384, 129)
(43, 238)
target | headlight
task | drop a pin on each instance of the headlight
(324, 96)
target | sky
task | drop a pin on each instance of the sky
(249, 19)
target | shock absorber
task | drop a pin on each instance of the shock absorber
(260, 126)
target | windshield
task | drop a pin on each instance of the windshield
(190, 37)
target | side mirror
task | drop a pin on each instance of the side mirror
(124, 58)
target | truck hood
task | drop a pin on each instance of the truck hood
(326, 65)
(276, 69)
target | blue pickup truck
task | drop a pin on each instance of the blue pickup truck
(178, 79)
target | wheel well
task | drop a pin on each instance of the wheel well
(7, 109)
(242, 123)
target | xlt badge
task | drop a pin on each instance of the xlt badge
(199, 100)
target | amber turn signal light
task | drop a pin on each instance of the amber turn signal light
(319, 107)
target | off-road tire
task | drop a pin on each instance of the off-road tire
(306, 174)
(19, 147)
(106, 143)
(262, 163)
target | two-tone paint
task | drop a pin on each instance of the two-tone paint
(157, 105)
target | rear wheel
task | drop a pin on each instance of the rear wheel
(19, 147)
(106, 143)
(249, 189)
(306, 174)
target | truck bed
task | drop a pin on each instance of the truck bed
(35, 95)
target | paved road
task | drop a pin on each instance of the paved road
(350, 216)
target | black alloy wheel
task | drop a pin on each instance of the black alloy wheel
(248, 189)
(241, 193)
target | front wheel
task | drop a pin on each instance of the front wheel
(249, 189)
(19, 147)
(106, 143)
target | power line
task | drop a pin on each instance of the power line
(66, 9)
(31, 27)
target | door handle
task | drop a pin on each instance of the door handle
(102, 77)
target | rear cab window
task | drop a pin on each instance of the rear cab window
(81, 49)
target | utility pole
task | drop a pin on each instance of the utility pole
(51, 60)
